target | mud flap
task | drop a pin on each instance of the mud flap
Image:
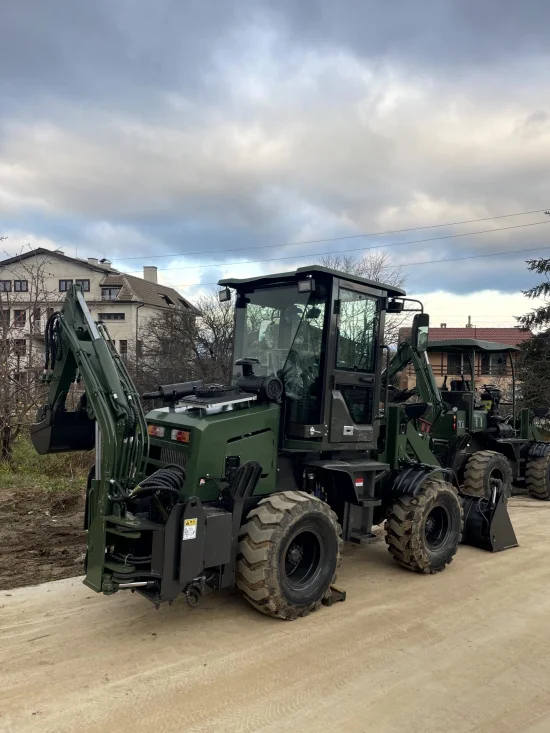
(487, 524)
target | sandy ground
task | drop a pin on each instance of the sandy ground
(466, 650)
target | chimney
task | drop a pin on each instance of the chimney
(105, 263)
(93, 261)
(443, 325)
(150, 273)
(469, 324)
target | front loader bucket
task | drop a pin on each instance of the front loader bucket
(487, 524)
(61, 432)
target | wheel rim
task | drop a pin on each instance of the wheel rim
(437, 527)
(302, 559)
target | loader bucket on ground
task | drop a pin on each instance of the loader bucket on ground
(487, 524)
(62, 432)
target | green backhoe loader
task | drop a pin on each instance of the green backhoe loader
(256, 483)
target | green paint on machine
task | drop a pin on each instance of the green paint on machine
(256, 483)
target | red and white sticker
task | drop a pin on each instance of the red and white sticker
(359, 483)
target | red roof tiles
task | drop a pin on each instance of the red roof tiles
(510, 336)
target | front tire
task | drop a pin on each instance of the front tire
(537, 477)
(287, 554)
(485, 471)
(423, 531)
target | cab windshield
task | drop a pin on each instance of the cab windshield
(283, 329)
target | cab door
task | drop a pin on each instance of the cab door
(355, 384)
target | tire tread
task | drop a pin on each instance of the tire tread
(257, 539)
(404, 528)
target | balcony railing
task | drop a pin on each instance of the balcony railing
(479, 371)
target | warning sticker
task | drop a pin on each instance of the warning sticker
(189, 529)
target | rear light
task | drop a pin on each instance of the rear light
(156, 431)
(182, 436)
(454, 423)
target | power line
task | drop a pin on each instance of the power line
(335, 239)
(469, 257)
(406, 264)
(346, 251)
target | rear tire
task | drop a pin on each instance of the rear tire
(484, 470)
(423, 531)
(537, 477)
(287, 554)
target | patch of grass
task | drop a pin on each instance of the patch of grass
(53, 472)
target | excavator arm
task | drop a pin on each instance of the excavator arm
(108, 417)
(426, 386)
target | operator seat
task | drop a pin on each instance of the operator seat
(459, 395)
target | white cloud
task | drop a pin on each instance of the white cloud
(17, 242)
(487, 308)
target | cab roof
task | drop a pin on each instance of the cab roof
(460, 345)
(301, 272)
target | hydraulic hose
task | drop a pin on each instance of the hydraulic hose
(168, 479)
(52, 341)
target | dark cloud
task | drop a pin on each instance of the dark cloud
(434, 32)
(134, 128)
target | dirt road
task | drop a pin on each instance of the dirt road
(468, 650)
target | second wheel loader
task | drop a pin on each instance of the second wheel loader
(487, 448)
(255, 483)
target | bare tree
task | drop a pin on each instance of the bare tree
(372, 266)
(180, 346)
(24, 307)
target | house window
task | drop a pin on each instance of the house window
(6, 317)
(112, 316)
(109, 293)
(36, 319)
(21, 286)
(5, 286)
(167, 300)
(49, 312)
(494, 364)
(19, 318)
(20, 347)
(64, 285)
(85, 285)
(123, 348)
(458, 364)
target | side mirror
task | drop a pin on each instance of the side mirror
(395, 306)
(419, 331)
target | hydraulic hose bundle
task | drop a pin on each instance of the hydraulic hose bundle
(162, 488)
(52, 341)
(169, 479)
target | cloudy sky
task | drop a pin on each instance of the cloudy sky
(210, 137)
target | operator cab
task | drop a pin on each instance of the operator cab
(480, 408)
(320, 331)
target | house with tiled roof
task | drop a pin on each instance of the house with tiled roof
(33, 285)
(488, 367)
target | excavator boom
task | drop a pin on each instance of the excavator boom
(80, 350)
